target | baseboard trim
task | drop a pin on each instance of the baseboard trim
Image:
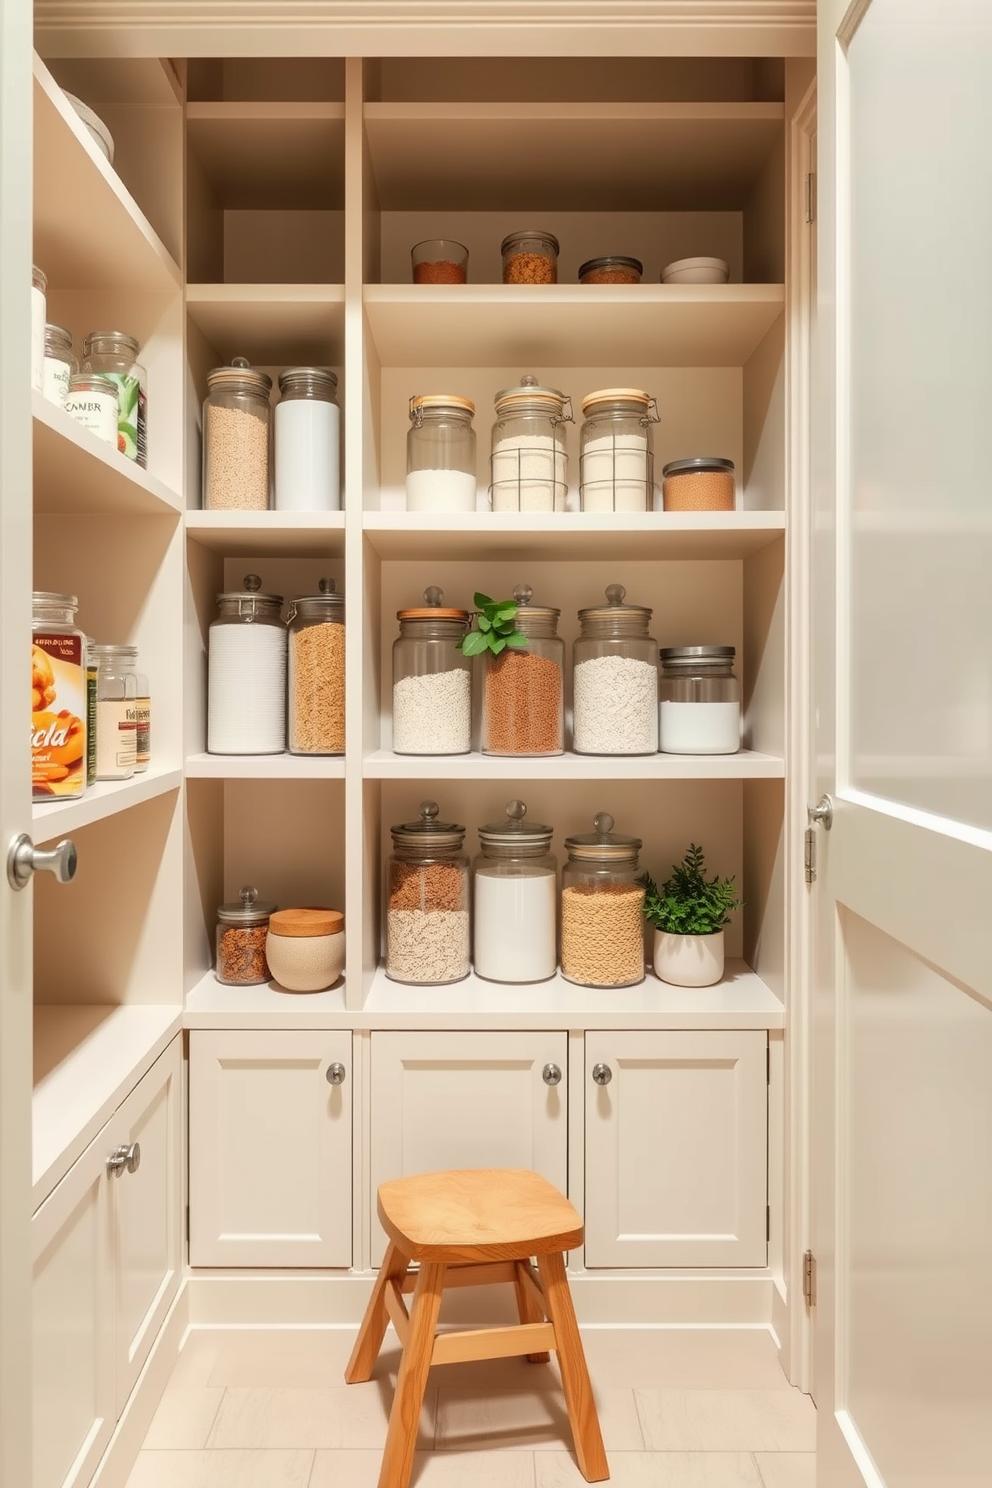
(116, 1464)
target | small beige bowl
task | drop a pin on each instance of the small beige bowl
(696, 271)
(305, 948)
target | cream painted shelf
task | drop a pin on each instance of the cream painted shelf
(210, 1004)
(286, 534)
(106, 798)
(746, 765)
(271, 324)
(263, 767)
(75, 472)
(270, 155)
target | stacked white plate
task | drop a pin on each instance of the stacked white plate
(100, 134)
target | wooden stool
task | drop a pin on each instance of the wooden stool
(470, 1228)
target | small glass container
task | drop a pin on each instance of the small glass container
(246, 673)
(515, 891)
(615, 679)
(59, 704)
(611, 270)
(441, 454)
(92, 402)
(523, 690)
(116, 713)
(142, 711)
(242, 928)
(316, 672)
(92, 672)
(305, 948)
(529, 462)
(439, 261)
(703, 484)
(307, 438)
(530, 257)
(39, 307)
(427, 901)
(602, 904)
(115, 355)
(60, 364)
(616, 463)
(700, 701)
(236, 419)
(432, 680)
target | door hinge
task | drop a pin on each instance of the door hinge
(809, 856)
(810, 197)
(809, 1279)
(768, 1222)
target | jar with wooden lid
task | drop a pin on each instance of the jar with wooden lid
(515, 889)
(700, 701)
(242, 927)
(432, 680)
(427, 901)
(705, 483)
(615, 679)
(305, 948)
(602, 903)
(616, 462)
(246, 673)
(441, 454)
(316, 672)
(523, 690)
(612, 269)
(530, 257)
(529, 462)
(236, 428)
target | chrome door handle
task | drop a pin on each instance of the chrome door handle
(336, 1074)
(124, 1158)
(551, 1074)
(601, 1074)
(23, 859)
(822, 813)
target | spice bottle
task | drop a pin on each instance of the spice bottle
(440, 454)
(142, 711)
(530, 257)
(39, 305)
(115, 355)
(316, 672)
(515, 887)
(58, 699)
(92, 672)
(615, 679)
(92, 401)
(59, 364)
(236, 438)
(241, 931)
(116, 713)
(307, 441)
(427, 916)
(705, 483)
(616, 463)
(700, 701)
(246, 673)
(523, 691)
(529, 462)
(602, 928)
(432, 681)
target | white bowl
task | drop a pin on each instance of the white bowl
(100, 134)
(696, 271)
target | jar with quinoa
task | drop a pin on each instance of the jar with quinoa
(427, 901)
(530, 257)
(523, 691)
(602, 924)
(241, 930)
(316, 672)
(236, 425)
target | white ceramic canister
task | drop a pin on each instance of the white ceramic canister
(307, 441)
(305, 948)
(92, 401)
(39, 289)
(246, 673)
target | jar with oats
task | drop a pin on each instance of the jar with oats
(523, 691)
(242, 927)
(432, 680)
(236, 422)
(530, 257)
(602, 904)
(427, 901)
(316, 672)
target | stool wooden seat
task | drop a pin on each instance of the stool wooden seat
(470, 1228)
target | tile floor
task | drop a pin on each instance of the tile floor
(269, 1409)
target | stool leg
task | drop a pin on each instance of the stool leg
(528, 1311)
(376, 1319)
(574, 1373)
(404, 1418)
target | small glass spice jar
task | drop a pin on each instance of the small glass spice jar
(92, 402)
(242, 928)
(615, 679)
(59, 365)
(246, 673)
(115, 355)
(702, 484)
(439, 261)
(441, 454)
(613, 269)
(432, 680)
(142, 711)
(236, 417)
(116, 712)
(523, 690)
(59, 705)
(316, 672)
(529, 462)
(92, 673)
(602, 903)
(616, 463)
(427, 901)
(515, 892)
(530, 257)
(307, 440)
(700, 701)
(305, 948)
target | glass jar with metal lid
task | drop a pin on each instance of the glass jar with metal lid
(615, 679)
(242, 927)
(705, 483)
(700, 701)
(441, 454)
(427, 901)
(236, 417)
(59, 700)
(530, 257)
(246, 673)
(92, 402)
(114, 354)
(515, 890)
(612, 269)
(316, 672)
(59, 365)
(529, 463)
(432, 680)
(523, 690)
(307, 436)
(602, 902)
(616, 462)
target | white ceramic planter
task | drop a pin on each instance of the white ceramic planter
(688, 960)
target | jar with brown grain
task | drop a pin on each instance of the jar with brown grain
(236, 426)
(705, 483)
(316, 672)
(241, 931)
(602, 904)
(530, 257)
(427, 901)
(523, 690)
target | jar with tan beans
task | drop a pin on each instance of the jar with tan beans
(305, 948)
(316, 672)
(530, 257)
(236, 427)
(705, 483)
(602, 903)
(427, 901)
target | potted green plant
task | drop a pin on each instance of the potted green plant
(688, 914)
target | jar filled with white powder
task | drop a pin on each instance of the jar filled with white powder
(515, 887)
(616, 462)
(615, 679)
(246, 673)
(307, 438)
(700, 701)
(440, 454)
(432, 681)
(529, 463)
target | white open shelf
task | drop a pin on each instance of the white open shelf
(211, 1004)
(106, 798)
(264, 767)
(271, 324)
(74, 471)
(286, 534)
(747, 764)
(263, 154)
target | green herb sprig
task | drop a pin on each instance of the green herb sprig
(688, 903)
(495, 628)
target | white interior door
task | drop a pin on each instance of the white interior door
(903, 684)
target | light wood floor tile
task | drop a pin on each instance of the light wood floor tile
(342, 1416)
(655, 1470)
(787, 1469)
(430, 1470)
(270, 1359)
(221, 1470)
(684, 1358)
(183, 1419)
(727, 1420)
(473, 1416)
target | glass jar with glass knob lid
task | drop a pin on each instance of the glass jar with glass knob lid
(602, 926)
(441, 454)
(700, 701)
(515, 888)
(529, 463)
(236, 419)
(427, 901)
(316, 672)
(432, 681)
(616, 462)
(246, 673)
(523, 690)
(615, 679)
(242, 927)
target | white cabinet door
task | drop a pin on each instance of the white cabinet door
(676, 1149)
(466, 1100)
(270, 1149)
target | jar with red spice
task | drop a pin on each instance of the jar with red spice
(439, 261)
(427, 901)
(523, 690)
(241, 930)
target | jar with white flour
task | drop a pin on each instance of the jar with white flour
(246, 673)
(432, 681)
(700, 701)
(516, 893)
(529, 461)
(441, 454)
(307, 441)
(615, 679)
(616, 463)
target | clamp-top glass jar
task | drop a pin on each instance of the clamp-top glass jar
(441, 454)
(530, 257)
(515, 885)
(523, 690)
(236, 417)
(432, 680)
(114, 354)
(242, 927)
(316, 672)
(615, 679)
(246, 673)
(616, 463)
(307, 431)
(427, 899)
(529, 463)
(602, 929)
(700, 710)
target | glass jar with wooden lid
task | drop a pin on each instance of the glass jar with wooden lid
(441, 454)
(432, 680)
(616, 463)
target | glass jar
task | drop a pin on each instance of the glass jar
(59, 364)
(115, 355)
(529, 463)
(427, 899)
(615, 679)
(142, 712)
(316, 672)
(523, 691)
(116, 715)
(236, 438)
(700, 707)
(530, 257)
(242, 928)
(439, 261)
(246, 673)
(58, 699)
(432, 680)
(602, 904)
(616, 463)
(515, 888)
(440, 454)
(307, 441)
(92, 402)
(92, 672)
(704, 484)
(39, 311)
(611, 270)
